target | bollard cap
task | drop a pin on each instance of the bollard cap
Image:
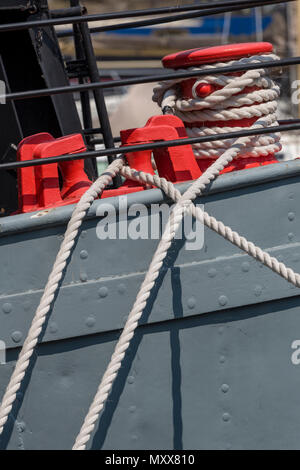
(209, 55)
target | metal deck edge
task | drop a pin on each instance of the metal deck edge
(227, 182)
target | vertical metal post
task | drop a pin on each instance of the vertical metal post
(98, 93)
(84, 95)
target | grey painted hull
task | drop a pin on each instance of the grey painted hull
(210, 365)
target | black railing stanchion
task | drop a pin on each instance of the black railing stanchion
(84, 95)
(98, 95)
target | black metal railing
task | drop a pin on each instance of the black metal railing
(108, 152)
(81, 28)
(197, 10)
(146, 79)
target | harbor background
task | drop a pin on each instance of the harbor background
(138, 51)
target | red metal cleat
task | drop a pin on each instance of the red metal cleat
(38, 187)
(173, 163)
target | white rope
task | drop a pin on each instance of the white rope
(51, 288)
(131, 324)
(184, 204)
(211, 222)
(264, 143)
(169, 233)
(225, 105)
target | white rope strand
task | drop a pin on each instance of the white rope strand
(111, 372)
(227, 152)
(166, 95)
(132, 321)
(211, 222)
(51, 288)
(226, 104)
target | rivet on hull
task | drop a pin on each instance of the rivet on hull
(102, 292)
(121, 288)
(222, 359)
(223, 300)
(191, 302)
(212, 272)
(84, 254)
(226, 417)
(83, 277)
(16, 336)
(90, 321)
(257, 290)
(7, 308)
(245, 267)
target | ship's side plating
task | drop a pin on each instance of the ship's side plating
(211, 365)
(214, 362)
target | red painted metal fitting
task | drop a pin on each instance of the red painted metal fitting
(38, 187)
(173, 163)
(193, 88)
(202, 89)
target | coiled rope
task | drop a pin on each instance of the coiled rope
(225, 104)
(183, 204)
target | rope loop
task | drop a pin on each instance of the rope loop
(231, 102)
(164, 95)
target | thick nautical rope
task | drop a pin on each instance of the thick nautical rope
(132, 322)
(211, 222)
(226, 105)
(184, 204)
(51, 288)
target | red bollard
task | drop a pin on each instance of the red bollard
(197, 57)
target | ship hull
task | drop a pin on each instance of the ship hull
(213, 363)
